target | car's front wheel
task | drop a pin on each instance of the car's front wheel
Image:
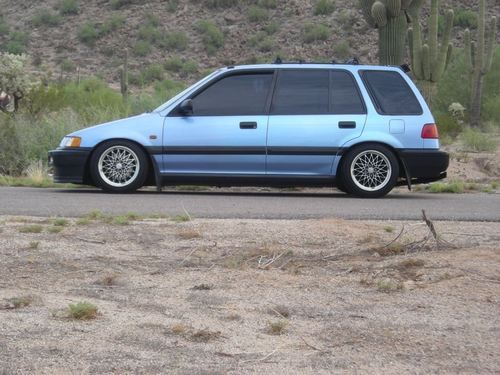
(119, 166)
(370, 171)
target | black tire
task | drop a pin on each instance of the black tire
(119, 166)
(369, 171)
(339, 184)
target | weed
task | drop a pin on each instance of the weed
(342, 50)
(410, 263)
(277, 327)
(88, 34)
(233, 317)
(83, 221)
(181, 66)
(202, 287)
(46, 18)
(108, 280)
(389, 285)
(33, 245)
(35, 228)
(394, 248)
(188, 234)
(16, 302)
(120, 220)
(54, 229)
(95, 215)
(211, 35)
(68, 7)
(280, 310)
(220, 3)
(181, 218)
(456, 187)
(179, 329)
(117, 4)
(60, 222)
(142, 48)
(257, 14)
(175, 40)
(465, 19)
(324, 7)
(389, 229)
(315, 32)
(204, 335)
(475, 140)
(83, 311)
(268, 4)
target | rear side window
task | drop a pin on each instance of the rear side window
(345, 98)
(390, 93)
(303, 92)
(244, 94)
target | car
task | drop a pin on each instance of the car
(362, 128)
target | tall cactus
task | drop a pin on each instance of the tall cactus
(390, 17)
(478, 59)
(124, 78)
(429, 59)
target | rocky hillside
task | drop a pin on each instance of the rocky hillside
(186, 37)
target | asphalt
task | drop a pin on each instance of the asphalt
(398, 205)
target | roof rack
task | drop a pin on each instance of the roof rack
(352, 61)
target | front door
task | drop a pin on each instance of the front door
(313, 113)
(226, 133)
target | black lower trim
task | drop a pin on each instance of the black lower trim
(69, 164)
(425, 165)
(243, 150)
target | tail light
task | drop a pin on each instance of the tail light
(430, 131)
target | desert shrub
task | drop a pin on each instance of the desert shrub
(4, 27)
(112, 24)
(220, 3)
(153, 72)
(172, 5)
(448, 126)
(88, 33)
(82, 311)
(181, 66)
(324, 7)
(315, 32)
(257, 14)
(142, 48)
(67, 66)
(68, 7)
(17, 42)
(46, 18)
(475, 140)
(174, 40)
(117, 4)
(269, 4)
(10, 162)
(211, 35)
(271, 28)
(342, 50)
(465, 18)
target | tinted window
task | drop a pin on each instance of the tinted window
(301, 92)
(391, 94)
(344, 96)
(234, 95)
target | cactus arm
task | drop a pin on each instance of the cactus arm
(379, 14)
(426, 62)
(432, 37)
(479, 53)
(393, 7)
(469, 61)
(410, 45)
(414, 8)
(366, 9)
(449, 53)
(405, 4)
(440, 65)
(417, 49)
(490, 45)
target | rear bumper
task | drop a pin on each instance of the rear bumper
(424, 166)
(69, 164)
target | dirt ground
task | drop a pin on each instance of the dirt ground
(249, 296)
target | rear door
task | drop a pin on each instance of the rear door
(226, 134)
(313, 113)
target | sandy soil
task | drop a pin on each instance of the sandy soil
(250, 296)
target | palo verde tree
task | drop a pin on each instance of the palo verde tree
(15, 82)
(478, 59)
(390, 18)
(429, 59)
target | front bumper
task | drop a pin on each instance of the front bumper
(69, 164)
(424, 166)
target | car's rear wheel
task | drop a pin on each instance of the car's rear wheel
(119, 166)
(370, 171)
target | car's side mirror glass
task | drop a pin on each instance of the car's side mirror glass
(186, 107)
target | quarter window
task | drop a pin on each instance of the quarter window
(390, 93)
(303, 92)
(244, 94)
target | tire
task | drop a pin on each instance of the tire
(339, 185)
(119, 166)
(369, 171)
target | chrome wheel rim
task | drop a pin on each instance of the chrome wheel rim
(118, 166)
(371, 170)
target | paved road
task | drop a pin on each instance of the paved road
(277, 205)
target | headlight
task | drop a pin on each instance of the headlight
(70, 142)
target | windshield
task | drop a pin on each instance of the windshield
(182, 93)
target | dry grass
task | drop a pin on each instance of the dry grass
(204, 335)
(188, 234)
(82, 311)
(389, 285)
(280, 310)
(179, 329)
(35, 228)
(202, 287)
(16, 302)
(277, 327)
(108, 280)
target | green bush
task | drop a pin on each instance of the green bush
(271, 28)
(172, 5)
(175, 40)
(342, 50)
(475, 140)
(46, 18)
(324, 7)
(220, 3)
(149, 33)
(448, 127)
(315, 32)
(465, 18)
(16, 42)
(117, 4)
(211, 35)
(68, 7)
(88, 34)
(153, 72)
(112, 24)
(142, 48)
(4, 27)
(269, 4)
(181, 66)
(257, 14)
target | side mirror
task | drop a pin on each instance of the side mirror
(186, 107)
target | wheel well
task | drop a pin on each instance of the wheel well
(150, 179)
(402, 168)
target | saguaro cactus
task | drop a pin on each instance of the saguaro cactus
(478, 59)
(429, 59)
(390, 17)
(124, 78)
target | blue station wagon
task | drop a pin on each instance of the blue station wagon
(363, 129)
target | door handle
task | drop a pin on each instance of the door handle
(248, 125)
(347, 124)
